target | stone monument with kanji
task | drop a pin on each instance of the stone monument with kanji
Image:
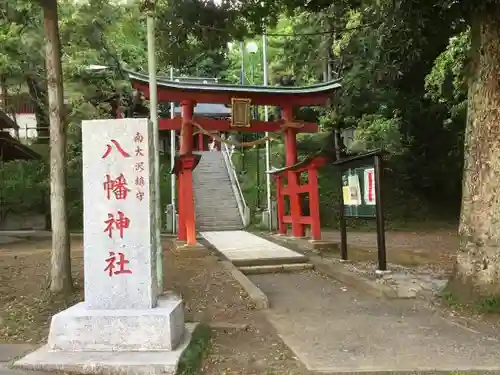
(125, 323)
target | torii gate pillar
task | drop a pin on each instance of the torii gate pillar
(187, 223)
(298, 229)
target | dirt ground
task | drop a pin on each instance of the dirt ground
(209, 292)
(435, 249)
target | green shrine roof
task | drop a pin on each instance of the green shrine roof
(163, 82)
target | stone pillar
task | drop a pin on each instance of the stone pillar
(118, 191)
(122, 321)
(292, 176)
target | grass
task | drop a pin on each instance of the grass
(192, 358)
(490, 305)
(486, 306)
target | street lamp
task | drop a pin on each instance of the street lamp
(252, 49)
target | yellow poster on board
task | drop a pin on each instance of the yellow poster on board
(354, 190)
(347, 195)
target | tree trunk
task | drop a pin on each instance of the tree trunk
(477, 269)
(38, 96)
(60, 272)
(3, 93)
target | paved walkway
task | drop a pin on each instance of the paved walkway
(333, 328)
(241, 248)
(9, 353)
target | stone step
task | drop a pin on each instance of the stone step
(213, 223)
(212, 179)
(213, 186)
(213, 191)
(220, 169)
(210, 205)
(202, 228)
(223, 192)
(220, 207)
(269, 261)
(215, 204)
(223, 195)
(207, 208)
(212, 182)
(218, 214)
(276, 268)
(214, 212)
(219, 221)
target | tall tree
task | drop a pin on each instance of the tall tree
(60, 272)
(477, 270)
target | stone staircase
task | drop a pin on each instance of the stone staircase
(215, 203)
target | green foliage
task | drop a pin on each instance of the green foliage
(446, 82)
(403, 65)
(94, 32)
(377, 132)
(191, 359)
(246, 167)
(24, 187)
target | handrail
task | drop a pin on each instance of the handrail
(240, 198)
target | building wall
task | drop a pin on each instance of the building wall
(27, 127)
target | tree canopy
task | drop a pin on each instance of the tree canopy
(410, 71)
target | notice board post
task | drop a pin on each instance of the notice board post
(361, 197)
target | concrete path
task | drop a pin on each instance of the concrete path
(10, 352)
(243, 248)
(332, 328)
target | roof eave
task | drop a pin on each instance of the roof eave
(299, 90)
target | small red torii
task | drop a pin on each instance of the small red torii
(287, 181)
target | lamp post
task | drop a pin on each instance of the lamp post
(153, 115)
(252, 49)
(242, 82)
(268, 143)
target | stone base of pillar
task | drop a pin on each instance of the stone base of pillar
(184, 250)
(138, 341)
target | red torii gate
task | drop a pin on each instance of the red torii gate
(293, 189)
(188, 94)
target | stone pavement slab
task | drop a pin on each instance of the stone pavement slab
(333, 328)
(240, 246)
(9, 352)
(5, 240)
(5, 369)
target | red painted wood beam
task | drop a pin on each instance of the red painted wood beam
(305, 220)
(224, 97)
(304, 188)
(225, 125)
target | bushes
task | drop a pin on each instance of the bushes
(24, 187)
